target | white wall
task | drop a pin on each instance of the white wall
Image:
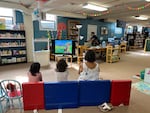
(28, 24)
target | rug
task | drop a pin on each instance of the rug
(142, 87)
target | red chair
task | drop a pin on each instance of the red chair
(120, 92)
(33, 95)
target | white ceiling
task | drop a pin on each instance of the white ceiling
(118, 9)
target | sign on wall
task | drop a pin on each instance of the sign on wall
(104, 30)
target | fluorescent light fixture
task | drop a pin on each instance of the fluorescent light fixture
(141, 17)
(94, 7)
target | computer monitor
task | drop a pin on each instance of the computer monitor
(111, 39)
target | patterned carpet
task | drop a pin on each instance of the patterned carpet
(142, 87)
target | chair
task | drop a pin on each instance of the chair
(2, 99)
(80, 53)
(12, 91)
(112, 54)
(123, 47)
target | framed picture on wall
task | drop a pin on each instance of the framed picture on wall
(104, 30)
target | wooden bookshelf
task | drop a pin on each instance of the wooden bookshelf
(72, 29)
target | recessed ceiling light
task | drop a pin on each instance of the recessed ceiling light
(141, 17)
(94, 7)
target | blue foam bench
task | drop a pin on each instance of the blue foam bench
(61, 94)
(92, 93)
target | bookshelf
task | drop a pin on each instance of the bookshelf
(12, 47)
(73, 30)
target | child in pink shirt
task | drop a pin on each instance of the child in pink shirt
(34, 74)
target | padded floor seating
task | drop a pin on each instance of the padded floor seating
(94, 93)
(120, 92)
(61, 95)
(33, 95)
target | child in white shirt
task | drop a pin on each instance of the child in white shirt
(61, 70)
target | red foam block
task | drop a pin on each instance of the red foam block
(120, 92)
(33, 95)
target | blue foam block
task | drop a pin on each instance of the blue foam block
(93, 93)
(61, 95)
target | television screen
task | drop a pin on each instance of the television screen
(63, 47)
(121, 23)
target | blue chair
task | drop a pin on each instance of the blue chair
(11, 90)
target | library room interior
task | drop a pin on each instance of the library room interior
(82, 56)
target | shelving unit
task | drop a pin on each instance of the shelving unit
(138, 42)
(112, 54)
(72, 30)
(135, 41)
(12, 47)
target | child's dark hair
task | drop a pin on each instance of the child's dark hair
(35, 68)
(90, 56)
(11, 87)
(61, 65)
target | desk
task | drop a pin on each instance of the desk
(97, 49)
(58, 57)
(100, 50)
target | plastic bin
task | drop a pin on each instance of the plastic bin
(142, 74)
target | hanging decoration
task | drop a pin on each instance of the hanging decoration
(95, 14)
(138, 8)
(107, 12)
(37, 11)
(40, 3)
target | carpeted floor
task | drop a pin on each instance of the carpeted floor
(130, 64)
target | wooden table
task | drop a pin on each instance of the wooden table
(97, 49)
(100, 50)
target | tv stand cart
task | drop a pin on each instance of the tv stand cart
(66, 57)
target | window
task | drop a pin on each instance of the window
(6, 18)
(6, 12)
(50, 17)
(50, 23)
